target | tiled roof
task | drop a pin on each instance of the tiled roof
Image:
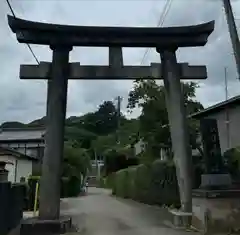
(15, 153)
(217, 107)
(22, 134)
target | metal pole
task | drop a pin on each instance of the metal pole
(49, 208)
(227, 111)
(119, 99)
(233, 33)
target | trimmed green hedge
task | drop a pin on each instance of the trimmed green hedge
(70, 187)
(163, 185)
(131, 189)
(109, 182)
(151, 184)
(121, 181)
(142, 183)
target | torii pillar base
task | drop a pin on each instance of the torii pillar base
(34, 226)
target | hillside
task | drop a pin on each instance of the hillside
(96, 130)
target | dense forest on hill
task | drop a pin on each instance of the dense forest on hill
(96, 130)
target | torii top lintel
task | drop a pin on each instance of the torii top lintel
(53, 34)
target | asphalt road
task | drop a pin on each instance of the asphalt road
(99, 213)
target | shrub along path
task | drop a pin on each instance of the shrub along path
(99, 213)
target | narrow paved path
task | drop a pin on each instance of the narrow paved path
(99, 213)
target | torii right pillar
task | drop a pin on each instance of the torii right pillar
(178, 125)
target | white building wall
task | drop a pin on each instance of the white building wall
(24, 169)
(234, 128)
(18, 167)
(10, 167)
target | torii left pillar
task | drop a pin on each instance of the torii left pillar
(49, 208)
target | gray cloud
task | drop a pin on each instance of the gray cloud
(25, 100)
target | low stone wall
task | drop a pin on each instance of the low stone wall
(11, 205)
(213, 215)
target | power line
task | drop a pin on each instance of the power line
(29, 47)
(161, 20)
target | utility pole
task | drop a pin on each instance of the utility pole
(233, 33)
(227, 111)
(119, 100)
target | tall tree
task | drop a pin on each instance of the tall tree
(103, 121)
(154, 129)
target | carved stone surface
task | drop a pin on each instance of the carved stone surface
(211, 146)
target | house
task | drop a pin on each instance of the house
(140, 147)
(18, 164)
(27, 141)
(227, 114)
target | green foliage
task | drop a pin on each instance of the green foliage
(71, 187)
(232, 159)
(37, 123)
(80, 138)
(131, 186)
(76, 161)
(163, 185)
(152, 184)
(103, 121)
(116, 160)
(110, 180)
(154, 129)
(12, 125)
(75, 167)
(32, 182)
(121, 181)
(142, 183)
(127, 134)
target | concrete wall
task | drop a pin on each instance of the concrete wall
(18, 168)
(216, 215)
(234, 128)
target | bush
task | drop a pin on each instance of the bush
(151, 184)
(116, 160)
(32, 182)
(131, 186)
(232, 161)
(163, 186)
(70, 187)
(142, 182)
(121, 183)
(109, 182)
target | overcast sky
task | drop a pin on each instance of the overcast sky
(26, 100)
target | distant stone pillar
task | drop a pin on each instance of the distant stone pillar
(54, 139)
(178, 126)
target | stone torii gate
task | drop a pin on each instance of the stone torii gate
(62, 38)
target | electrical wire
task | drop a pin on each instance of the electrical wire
(161, 20)
(29, 47)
